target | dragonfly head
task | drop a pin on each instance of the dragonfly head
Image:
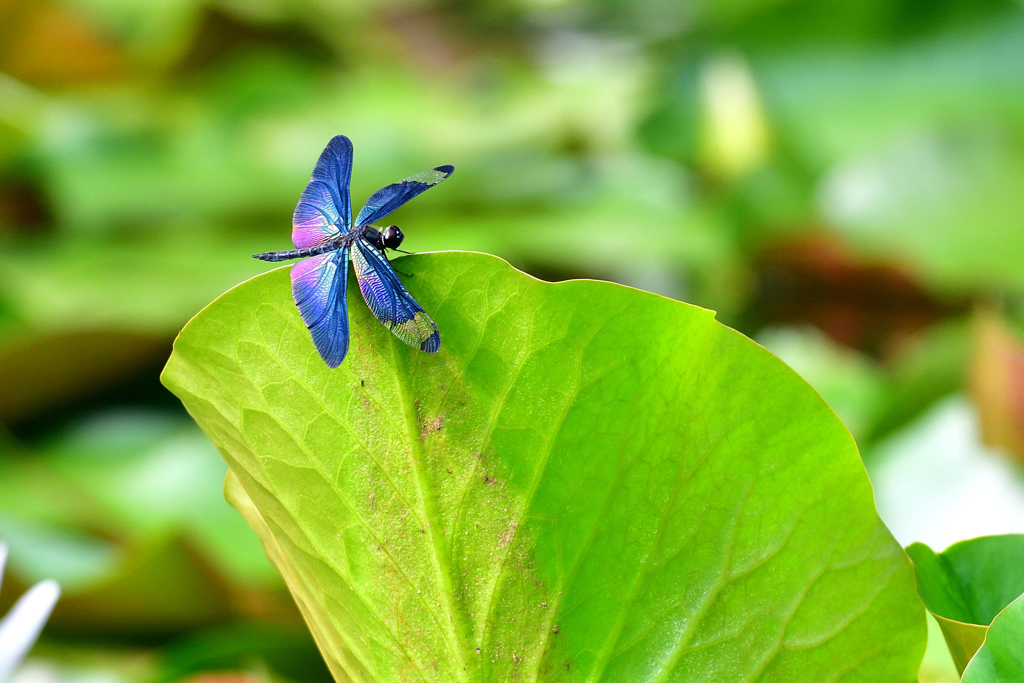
(392, 237)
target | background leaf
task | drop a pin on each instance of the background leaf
(997, 373)
(967, 585)
(586, 483)
(125, 509)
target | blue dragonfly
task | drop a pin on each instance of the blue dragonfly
(323, 231)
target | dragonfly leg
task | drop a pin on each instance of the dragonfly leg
(393, 265)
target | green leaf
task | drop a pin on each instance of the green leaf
(158, 588)
(963, 640)
(851, 384)
(285, 649)
(1001, 658)
(937, 665)
(41, 551)
(150, 285)
(40, 370)
(836, 103)
(927, 368)
(150, 473)
(918, 193)
(967, 585)
(587, 482)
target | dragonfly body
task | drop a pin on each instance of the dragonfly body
(325, 235)
(370, 233)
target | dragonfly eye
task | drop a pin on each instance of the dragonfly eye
(392, 237)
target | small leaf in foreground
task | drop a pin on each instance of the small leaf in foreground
(1001, 658)
(967, 585)
(588, 482)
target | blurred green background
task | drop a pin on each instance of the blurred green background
(843, 182)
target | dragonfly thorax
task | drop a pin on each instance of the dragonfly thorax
(387, 238)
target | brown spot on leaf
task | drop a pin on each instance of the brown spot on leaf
(508, 535)
(432, 426)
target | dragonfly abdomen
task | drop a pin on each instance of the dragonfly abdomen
(288, 254)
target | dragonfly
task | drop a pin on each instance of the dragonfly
(325, 235)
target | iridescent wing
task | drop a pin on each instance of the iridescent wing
(325, 207)
(390, 302)
(387, 199)
(319, 284)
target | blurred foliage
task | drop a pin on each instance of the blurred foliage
(841, 181)
(126, 511)
(997, 376)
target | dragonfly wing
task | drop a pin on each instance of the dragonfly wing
(390, 302)
(319, 284)
(387, 199)
(325, 207)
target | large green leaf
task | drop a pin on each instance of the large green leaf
(1001, 658)
(967, 585)
(588, 482)
(851, 384)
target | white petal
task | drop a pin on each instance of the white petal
(21, 626)
(3, 560)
